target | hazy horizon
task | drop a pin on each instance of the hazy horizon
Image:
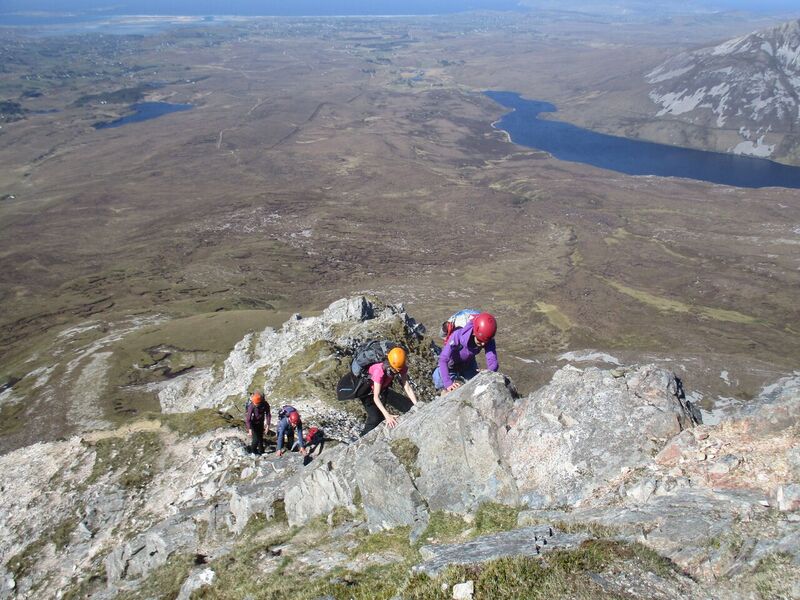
(367, 7)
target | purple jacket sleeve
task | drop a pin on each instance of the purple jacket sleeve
(491, 356)
(269, 419)
(444, 365)
(248, 417)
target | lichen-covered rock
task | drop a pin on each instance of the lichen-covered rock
(615, 447)
(585, 427)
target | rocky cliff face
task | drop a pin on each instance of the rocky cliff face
(748, 85)
(604, 469)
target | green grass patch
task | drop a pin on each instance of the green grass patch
(492, 518)
(86, 586)
(595, 529)
(12, 418)
(666, 304)
(772, 576)
(406, 452)
(557, 318)
(241, 572)
(392, 540)
(199, 421)
(133, 459)
(561, 574)
(443, 528)
(63, 532)
(314, 372)
(279, 511)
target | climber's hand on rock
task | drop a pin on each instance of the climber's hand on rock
(455, 386)
(391, 421)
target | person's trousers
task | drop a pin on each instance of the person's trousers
(389, 398)
(464, 371)
(257, 440)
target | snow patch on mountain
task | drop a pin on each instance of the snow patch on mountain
(750, 83)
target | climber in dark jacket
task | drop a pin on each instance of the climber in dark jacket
(289, 424)
(257, 419)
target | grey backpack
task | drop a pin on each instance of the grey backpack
(373, 351)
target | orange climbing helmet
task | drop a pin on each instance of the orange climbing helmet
(484, 327)
(397, 358)
(257, 398)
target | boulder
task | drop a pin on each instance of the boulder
(777, 407)
(251, 499)
(269, 349)
(586, 427)
(684, 525)
(388, 493)
(195, 581)
(327, 483)
(144, 553)
(459, 437)
(528, 541)
(788, 497)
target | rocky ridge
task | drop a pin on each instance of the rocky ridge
(748, 85)
(595, 459)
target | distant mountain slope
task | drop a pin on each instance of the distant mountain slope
(748, 84)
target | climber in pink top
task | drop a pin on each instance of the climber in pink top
(381, 375)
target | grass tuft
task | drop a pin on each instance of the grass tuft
(406, 452)
(198, 422)
(133, 458)
(492, 518)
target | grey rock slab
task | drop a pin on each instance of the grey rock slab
(151, 549)
(776, 408)
(636, 584)
(580, 431)
(459, 438)
(681, 526)
(251, 499)
(323, 561)
(327, 483)
(388, 493)
(788, 497)
(529, 541)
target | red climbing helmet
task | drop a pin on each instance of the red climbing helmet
(294, 418)
(484, 327)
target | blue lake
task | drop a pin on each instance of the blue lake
(144, 112)
(633, 157)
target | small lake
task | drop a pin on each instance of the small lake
(633, 157)
(144, 111)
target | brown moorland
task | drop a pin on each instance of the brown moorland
(328, 157)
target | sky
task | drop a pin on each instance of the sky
(338, 7)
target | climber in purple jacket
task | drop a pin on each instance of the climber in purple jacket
(457, 359)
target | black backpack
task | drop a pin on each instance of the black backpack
(351, 386)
